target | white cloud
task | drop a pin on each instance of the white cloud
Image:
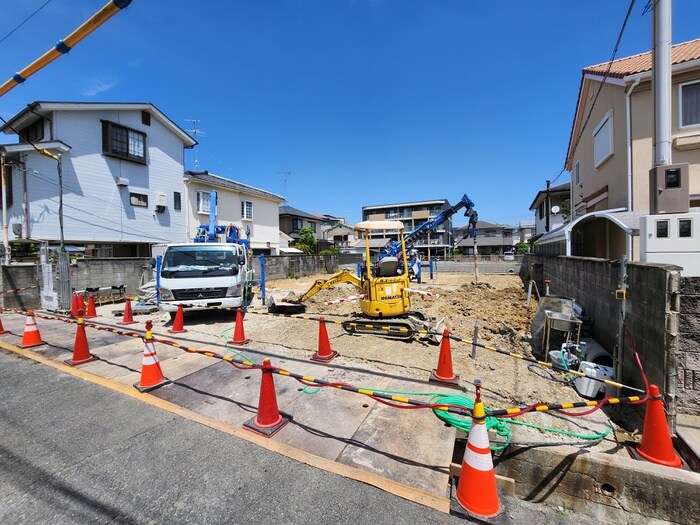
(97, 86)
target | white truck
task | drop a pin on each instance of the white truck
(201, 275)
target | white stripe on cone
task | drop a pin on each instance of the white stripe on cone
(478, 439)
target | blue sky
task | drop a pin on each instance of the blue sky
(336, 104)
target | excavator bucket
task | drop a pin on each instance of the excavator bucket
(284, 307)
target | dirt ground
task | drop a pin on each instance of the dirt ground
(496, 302)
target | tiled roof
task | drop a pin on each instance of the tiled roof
(623, 67)
(296, 212)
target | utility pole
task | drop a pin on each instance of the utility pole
(5, 235)
(547, 210)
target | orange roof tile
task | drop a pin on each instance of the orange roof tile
(623, 67)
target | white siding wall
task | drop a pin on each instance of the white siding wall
(264, 227)
(95, 208)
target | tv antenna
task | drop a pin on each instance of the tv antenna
(285, 176)
(196, 132)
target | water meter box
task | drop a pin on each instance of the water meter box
(589, 387)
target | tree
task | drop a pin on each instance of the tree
(522, 248)
(306, 241)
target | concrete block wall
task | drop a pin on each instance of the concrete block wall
(592, 282)
(662, 315)
(283, 266)
(650, 318)
(19, 276)
(98, 273)
(689, 346)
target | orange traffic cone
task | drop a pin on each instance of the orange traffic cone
(74, 306)
(2, 328)
(151, 374)
(444, 373)
(656, 445)
(239, 333)
(91, 311)
(128, 315)
(269, 419)
(81, 352)
(179, 322)
(476, 490)
(324, 352)
(31, 336)
(81, 303)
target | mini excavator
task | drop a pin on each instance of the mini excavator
(384, 284)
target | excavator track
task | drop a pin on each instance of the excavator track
(401, 329)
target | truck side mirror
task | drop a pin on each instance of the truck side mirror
(153, 262)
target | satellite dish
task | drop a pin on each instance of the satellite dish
(555, 209)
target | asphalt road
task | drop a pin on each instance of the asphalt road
(74, 452)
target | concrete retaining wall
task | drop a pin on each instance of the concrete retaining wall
(613, 489)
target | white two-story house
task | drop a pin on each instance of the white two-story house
(117, 188)
(254, 212)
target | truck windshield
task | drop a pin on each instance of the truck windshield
(197, 261)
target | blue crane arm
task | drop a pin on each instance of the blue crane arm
(394, 247)
(432, 224)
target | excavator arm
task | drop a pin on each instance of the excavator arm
(344, 276)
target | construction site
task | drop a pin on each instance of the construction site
(394, 409)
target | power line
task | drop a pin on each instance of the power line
(602, 83)
(24, 21)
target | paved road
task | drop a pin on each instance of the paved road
(74, 452)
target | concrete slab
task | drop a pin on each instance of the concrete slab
(688, 430)
(415, 449)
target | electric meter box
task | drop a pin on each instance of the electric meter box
(668, 189)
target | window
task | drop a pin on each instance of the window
(312, 225)
(689, 106)
(124, 143)
(540, 210)
(138, 199)
(247, 210)
(685, 227)
(34, 132)
(145, 118)
(203, 201)
(603, 139)
(577, 174)
(296, 225)
(673, 178)
(662, 229)
(177, 201)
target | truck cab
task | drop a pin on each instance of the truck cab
(199, 275)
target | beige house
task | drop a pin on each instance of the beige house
(610, 152)
(252, 210)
